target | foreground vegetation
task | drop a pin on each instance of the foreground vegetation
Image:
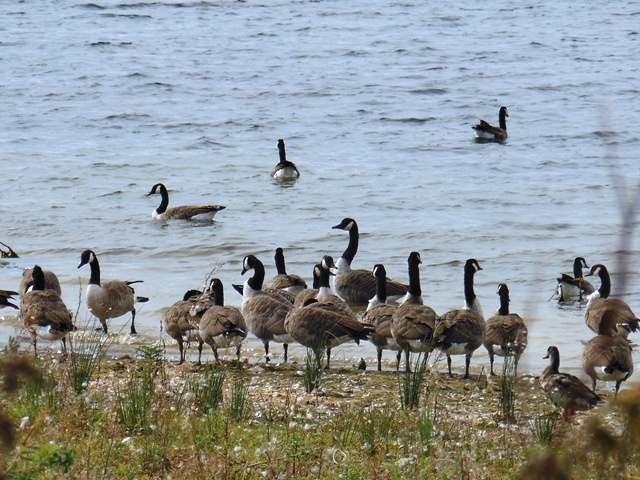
(142, 417)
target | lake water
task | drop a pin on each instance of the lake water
(375, 101)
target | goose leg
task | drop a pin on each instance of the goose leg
(449, 364)
(133, 322)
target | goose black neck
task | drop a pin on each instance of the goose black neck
(280, 265)
(605, 286)
(469, 293)
(381, 288)
(577, 268)
(504, 303)
(218, 292)
(281, 151)
(323, 278)
(38, 278)
(316, 277)
(351, 250)
(503, 119)
(94, 279)
(256, 281)
(164, 203)
(414, 278)
(554, 362)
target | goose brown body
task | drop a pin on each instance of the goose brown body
(51, 282)
(283, 280)
(487, 132)
(184, 212)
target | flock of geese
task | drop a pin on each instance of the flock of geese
(284, 310)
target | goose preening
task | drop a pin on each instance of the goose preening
(110, 299)
(221, 326)
(182, 320)
(413, 323)
(186, 212)
(326, 321)
(358, 286)
(5, 297)
(506, 333)
(461, 332)
(44, 313)
(484, 131)
(607, 356)
(284, 170)
(379, 315)
(566, 391)
(264, 311)
(599, 304)
(51, 282)
(283, 280)
(577, 286)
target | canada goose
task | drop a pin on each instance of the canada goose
(264, 311)
(607, 356)
(566, 391)
(506, 333)
(485, 131)
(110, 299)
(325, 322)
(181, 320)
(8, 253)
(413, 322)
(51, 282)
(358, 286)
(283, 280)
(576, 286)
(309, 293)
(284, 170)
(461, 332)
(379, 315)
(186, 212)
(5, 296)
(221, 326)
(44, 313)
(599, 304)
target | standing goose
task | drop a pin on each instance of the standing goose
(506, 333)
(284, 170)
(110, 299)
(566, 391)
(461, 332)
(600, 304)
(51, 282)
(186, 212)
(576, 286)
(358, 286)
(607, 356)
(379, 315)
(309, 293)
(221, 326)
(181, 320)
(44, 313)
(413, 323)
(5, 296)
(264, 311)
(283, 280)
(325, 322)
(484, 131)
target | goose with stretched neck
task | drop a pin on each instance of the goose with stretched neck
(484, 131)
(186, 212)
(574, 286)
(283, 280)
(110, 299)
(358, 286)
(284, 170)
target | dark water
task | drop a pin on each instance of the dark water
(375, 102)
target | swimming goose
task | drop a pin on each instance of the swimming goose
(462, 331)
(264, 311)
(565, 390)
(576, 286)
(186, 212)
(221, 326)
(326, 321)
(110, 299)
(181, 321)
(5, 296)
(283, 280)
(487, 132)
(284, 170)
(506, 333)
(413, 322)
(44, 313)
(379, 314)
(607, 356)
(599, 304)
(51, 282)
(358, 286)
